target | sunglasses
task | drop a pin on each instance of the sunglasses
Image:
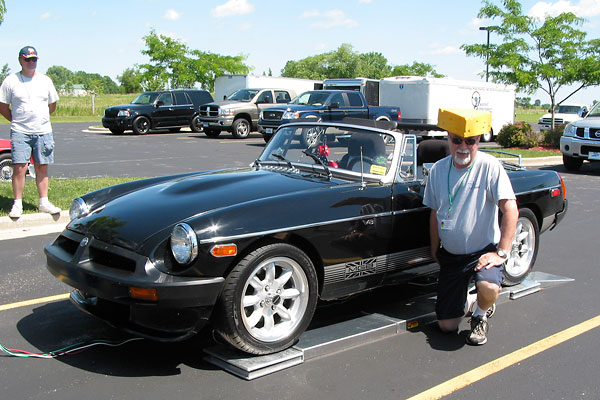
(468, 141)
(31, 59)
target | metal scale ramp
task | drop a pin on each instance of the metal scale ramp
(388, 320)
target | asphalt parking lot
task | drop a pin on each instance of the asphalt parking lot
(394, 368)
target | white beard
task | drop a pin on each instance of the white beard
(463, 161)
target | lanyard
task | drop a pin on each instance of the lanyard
(463, 178)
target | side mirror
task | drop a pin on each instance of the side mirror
(159, 103)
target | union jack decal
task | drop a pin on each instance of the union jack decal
(361, 268)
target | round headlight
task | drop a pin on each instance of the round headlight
(184, 244)
(78, 208)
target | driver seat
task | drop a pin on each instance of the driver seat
(372, 146)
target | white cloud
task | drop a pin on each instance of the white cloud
(233, 7)
(365, 1)
(172, 15)
(330, 19)
(45, 15)
(585, 8)
(437, 48)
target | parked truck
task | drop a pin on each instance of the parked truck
(227, 84)
(323, 105)
(367, 86)
(563, 114)
(420, 98)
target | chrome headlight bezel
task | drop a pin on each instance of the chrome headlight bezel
(79, 208)
(570, 130)
(184, 244)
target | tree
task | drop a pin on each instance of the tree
(173, 65)
(2, 10)
(61, 76)
(344, 62)
(548, 55)
(416, 69)
(130, 80)
(4, 72)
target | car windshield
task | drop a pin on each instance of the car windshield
(311, 99)
(568, 109)
(595, 112)
(243, 95)
(145, 98)
(333, 149)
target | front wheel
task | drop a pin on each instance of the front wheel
(241, 128)
(6, 168)
(268, 299)
(572, 163)
(196, 125)
(141, 125)
(524, 248)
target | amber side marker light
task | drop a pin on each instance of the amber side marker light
(143, 294)
(224, 250)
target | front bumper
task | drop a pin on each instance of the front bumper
(580, 148)
(216, 123)
(183, 305)
(117, 123)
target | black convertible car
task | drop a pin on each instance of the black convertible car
(251, 250)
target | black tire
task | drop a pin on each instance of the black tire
(6, 168)
(141, 125)
(524, 248)
(212, 133)
(267, 138)
(572, 163)
(241, 128)
(117, 131)
(196, 125)
(258, 314)
(309, 137)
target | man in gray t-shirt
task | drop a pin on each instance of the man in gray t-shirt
(465, 191)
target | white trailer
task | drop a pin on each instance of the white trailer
(227, 84)
(420, 98)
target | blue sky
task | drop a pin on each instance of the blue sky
(105, 36)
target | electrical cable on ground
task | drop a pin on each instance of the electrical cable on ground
(68, 350)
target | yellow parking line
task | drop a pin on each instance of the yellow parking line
(499, 364)
(34, 301)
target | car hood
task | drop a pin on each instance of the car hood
(589, 122)
(133, 107)
(230, 104)
(564, 116)
(131, 219)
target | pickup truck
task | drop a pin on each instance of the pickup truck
(563, 114)
(239, 113)
(323, 105)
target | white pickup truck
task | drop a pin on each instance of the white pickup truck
(563, 114)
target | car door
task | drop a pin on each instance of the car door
(335, 108)
(162, 115)
(183, 109)
(355, 107)
(263, 101)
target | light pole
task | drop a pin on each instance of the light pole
(487, 53)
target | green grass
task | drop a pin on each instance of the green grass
(525, 153)
(528, 115)
(61, 192)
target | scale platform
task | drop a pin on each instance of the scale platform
(388, 320)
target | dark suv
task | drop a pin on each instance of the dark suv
(169, 109)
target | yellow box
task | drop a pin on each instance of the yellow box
(465, 122)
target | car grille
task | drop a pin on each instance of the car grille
(209, 111)
(111, 112)
(557, 121)
(585, 150)
(269, 115)
(98, 254)
(594, 133)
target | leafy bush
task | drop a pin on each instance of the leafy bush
(519, 134)
(552, 136)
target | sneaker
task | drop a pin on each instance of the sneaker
(16, 211)
(491, 311)
(49, 208)
(479, 329)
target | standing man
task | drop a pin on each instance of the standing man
(32, 98)
(465, 191)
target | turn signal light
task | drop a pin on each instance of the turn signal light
(224, 250)
(143, 294)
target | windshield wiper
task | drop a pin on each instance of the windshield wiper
(319, 161)
(282, 158)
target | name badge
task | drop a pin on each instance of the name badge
(447, 224)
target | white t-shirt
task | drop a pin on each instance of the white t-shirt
(471, 222)
(29, 99)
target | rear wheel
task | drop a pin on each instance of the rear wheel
(241, 128)
(268, 299)
(141, 125)
(6, 168)
(572, 163)
(524, 248)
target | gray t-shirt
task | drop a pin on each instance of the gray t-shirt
(29, 99)
(466, 201)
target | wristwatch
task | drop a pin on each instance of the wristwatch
(501, 253)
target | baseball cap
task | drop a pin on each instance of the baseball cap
(28, 52)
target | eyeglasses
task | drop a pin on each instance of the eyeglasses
(469, 141)
(31, 59)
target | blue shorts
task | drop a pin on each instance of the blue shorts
(24, 146)
(456, 272)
